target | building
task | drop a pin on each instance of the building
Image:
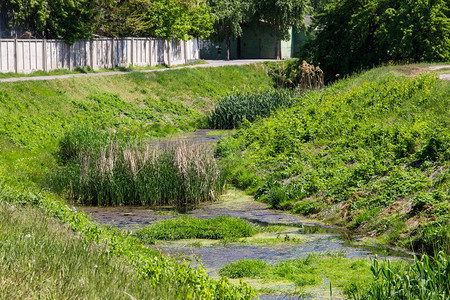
(257, 41)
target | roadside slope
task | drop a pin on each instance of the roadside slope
(35, 113)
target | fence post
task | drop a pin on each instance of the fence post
(185, 52)
(112, 53)
(44, 55)
(16, 59)
(92, 42)
(132, 52)
(150, 51)
(70, 57)
(169, 52)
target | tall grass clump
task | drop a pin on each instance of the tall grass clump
(237, 107)
(296, 74)
(134, 173)
(427, 278)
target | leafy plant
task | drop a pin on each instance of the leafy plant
(426, 278)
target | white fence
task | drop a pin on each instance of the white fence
(27, 55)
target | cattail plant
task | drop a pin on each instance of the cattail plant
(179, 174)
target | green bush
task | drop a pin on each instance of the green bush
(78, 141)
(357, 34)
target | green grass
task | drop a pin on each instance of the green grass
(370, 152)
(304, 273)
(221, 132)
(81, 70)
(42, 259)
(36, 114)
(192, 228)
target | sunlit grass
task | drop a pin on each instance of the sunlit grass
(42, 259)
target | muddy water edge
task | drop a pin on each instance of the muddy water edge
(298, 238)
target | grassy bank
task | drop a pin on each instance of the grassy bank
(36, 114)
(43, 259)
(81, 70)
(370, 152)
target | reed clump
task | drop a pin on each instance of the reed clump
(298, 75)
(179, 174)
(233, 109)
(426, 278)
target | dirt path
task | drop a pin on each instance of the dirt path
(208, 64)
(413, 70)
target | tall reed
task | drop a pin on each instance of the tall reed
(179, 174)
(427, 278)
(298, 75)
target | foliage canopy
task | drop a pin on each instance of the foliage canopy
(79, 19)
(354, 34)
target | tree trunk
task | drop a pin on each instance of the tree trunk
(238, 47)
(277, 40)
(227, 55)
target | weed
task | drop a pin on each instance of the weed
(296, 74)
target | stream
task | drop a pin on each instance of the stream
(300, 237)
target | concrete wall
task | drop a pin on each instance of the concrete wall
(28, 55)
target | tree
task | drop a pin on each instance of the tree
(229, 15)
(281, 15)
(78, 19)
(179, 19)
(354, 34)
(67, 19)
